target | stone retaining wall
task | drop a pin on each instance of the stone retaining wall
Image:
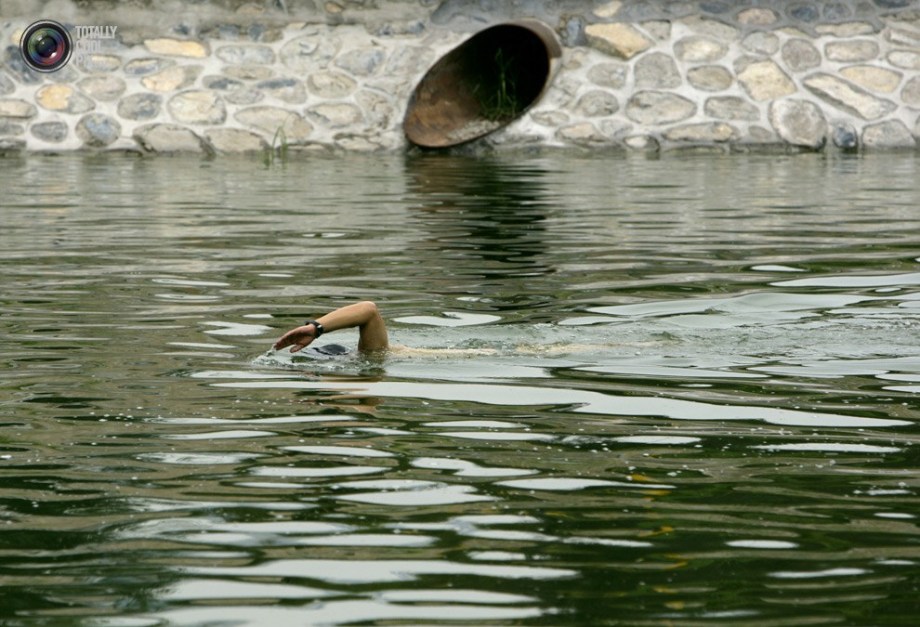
(637, 75)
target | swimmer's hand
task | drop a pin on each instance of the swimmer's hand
(298, 339)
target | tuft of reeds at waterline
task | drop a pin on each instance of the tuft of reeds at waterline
(278, 148)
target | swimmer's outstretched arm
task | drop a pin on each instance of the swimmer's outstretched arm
(364, 315)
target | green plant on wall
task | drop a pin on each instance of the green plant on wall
(498, 98)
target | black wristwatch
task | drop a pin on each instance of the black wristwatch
(316, 325)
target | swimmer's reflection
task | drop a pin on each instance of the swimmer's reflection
(342, 403)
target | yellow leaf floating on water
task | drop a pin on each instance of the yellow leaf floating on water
(640, 478)
(657, 532)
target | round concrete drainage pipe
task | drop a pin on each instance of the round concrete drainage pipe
(483, 84)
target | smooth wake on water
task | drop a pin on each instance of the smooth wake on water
(623, 391)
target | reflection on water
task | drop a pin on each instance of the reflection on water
(488, 221)
(675, 392)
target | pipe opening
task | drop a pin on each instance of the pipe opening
(483, 84)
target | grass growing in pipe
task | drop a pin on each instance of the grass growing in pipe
(498, 98)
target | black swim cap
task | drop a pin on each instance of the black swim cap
(330, 349)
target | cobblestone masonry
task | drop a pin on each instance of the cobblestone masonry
(635, 75)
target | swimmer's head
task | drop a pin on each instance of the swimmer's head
(330, 350)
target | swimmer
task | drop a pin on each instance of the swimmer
(373, 338)
(364, 315)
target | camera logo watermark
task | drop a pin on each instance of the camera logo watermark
(47, 46)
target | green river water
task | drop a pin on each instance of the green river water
(675, 391)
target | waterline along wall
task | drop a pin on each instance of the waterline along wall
(645, 75)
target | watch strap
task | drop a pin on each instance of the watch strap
(316, 325)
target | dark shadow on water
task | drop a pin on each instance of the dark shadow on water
(485, 218)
